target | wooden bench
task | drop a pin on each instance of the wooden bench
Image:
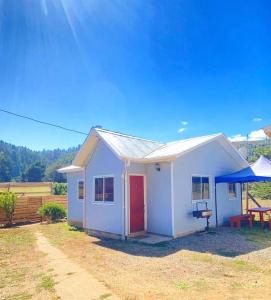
(235, 221)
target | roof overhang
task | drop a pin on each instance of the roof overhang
(70, 169)
(267, 130)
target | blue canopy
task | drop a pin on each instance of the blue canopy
(259, 171)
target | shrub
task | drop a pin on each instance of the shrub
(7, 203)
(59, 188)
(52, 211)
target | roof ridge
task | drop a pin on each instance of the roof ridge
(127, 135)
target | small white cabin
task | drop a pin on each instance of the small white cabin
(121, 185)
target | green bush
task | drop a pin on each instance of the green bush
(7, 203)
(59, 188)
(52, 211)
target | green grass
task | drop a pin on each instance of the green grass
(236, 285)
(104, 296)
(47, 283)
(182, 285)
(18, 296)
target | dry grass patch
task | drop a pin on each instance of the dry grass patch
(22, 274)
(169, 271)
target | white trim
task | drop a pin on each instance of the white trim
(78, 199)
(85, 202)
(145, 201)
(93, 190)
(126, 200)
(210, 188)
(172, 198)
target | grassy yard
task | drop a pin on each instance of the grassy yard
(22, 274)
(230, 264)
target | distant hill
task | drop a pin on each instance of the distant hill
(253, 148)
(15, 160)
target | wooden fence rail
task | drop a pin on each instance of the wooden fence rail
(27, 207)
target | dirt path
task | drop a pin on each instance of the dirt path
(72, 281)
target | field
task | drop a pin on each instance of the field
(229, 264)
(23, 275)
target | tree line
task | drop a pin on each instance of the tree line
(22, 164)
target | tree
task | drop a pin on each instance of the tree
(5, 167)
(7, 203)
(35, 173)
(51, 173)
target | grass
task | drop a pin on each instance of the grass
(47, 283)
(174, 271)
(21, 266)
(182, 285)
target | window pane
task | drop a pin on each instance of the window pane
(196, 188)
(205, 188)
(109, 189)
(98, 189)
(80, 190)
(232, 190)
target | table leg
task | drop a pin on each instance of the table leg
(261, 219)
(250, 221)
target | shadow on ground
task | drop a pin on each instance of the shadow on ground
(224, 242)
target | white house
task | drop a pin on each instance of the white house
(121, 185)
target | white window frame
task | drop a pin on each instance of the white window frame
(236, 191)
(210, 188)
(80, 180)
(93, 190)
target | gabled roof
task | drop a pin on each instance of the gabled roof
(142, 150)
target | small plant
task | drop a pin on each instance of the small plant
(59, 188)
(52, 211)
(7, 203)
(47, 283)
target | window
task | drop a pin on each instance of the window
(104, 189)
(81, 190)
(200, 188)
(232, 190)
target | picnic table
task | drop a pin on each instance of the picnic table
(261, 211)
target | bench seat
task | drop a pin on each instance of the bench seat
(235, 221)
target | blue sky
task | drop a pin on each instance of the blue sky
(148, 68)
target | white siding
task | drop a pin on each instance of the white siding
(159, 199)
(211, 160)
(75, 206)
(106, 217)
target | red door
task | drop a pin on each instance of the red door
(136, 203)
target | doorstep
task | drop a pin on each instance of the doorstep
(150, 238)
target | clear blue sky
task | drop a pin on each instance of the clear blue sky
(138, 67)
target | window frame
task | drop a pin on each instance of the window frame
(210, 188)
(93, 190)
(236, 191)
(78, 193)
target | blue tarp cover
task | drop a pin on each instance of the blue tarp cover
(259, 171)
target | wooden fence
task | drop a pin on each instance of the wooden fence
(27, 207)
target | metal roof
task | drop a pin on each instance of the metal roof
(128, 146)
(143, 150)
(176, 148)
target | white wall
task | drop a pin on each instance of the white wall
(211, 160)
(107, 217)
(75, 206)
(159, 199)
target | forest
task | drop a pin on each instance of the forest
(19, 163)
